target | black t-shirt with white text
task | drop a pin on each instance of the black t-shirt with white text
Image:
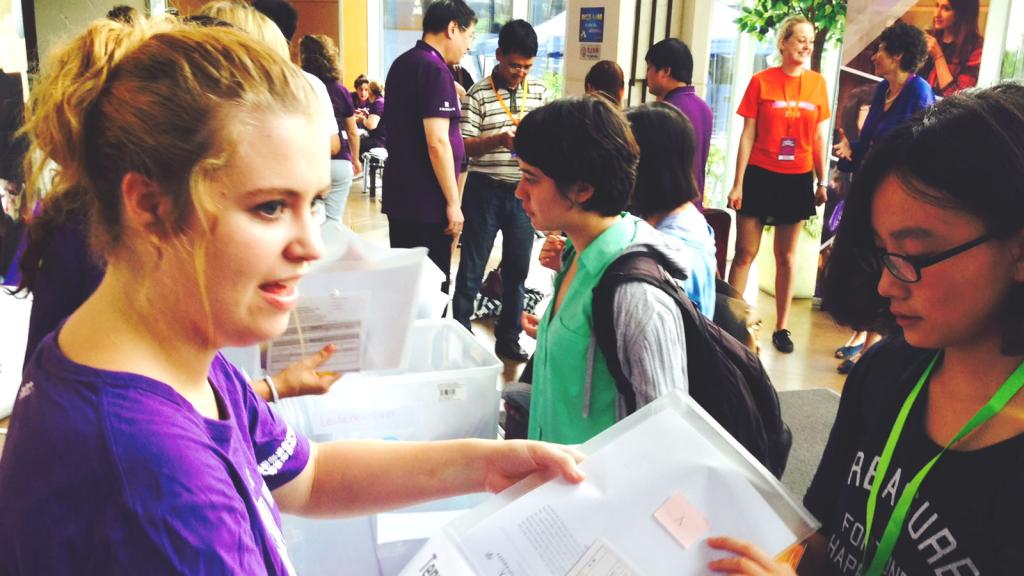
(968, 516)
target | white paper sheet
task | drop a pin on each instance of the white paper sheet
(338, 318)
(602, 560)
(14, 313)
(667, 448)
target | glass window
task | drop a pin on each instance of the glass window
(1013, 52)
(403, 26)
(548, 19)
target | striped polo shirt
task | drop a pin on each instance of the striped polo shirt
(483, 115)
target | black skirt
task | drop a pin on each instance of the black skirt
(775, 198)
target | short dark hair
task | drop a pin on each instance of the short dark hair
(518, 37)
(965, 153)
(282, 13)
(360, 80)
(442, 12)
(675, 55)
(582, 139)
(123, 13)
(606, 77)
(906, 40)
(664, 176)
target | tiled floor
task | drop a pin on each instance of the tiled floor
(815, 336)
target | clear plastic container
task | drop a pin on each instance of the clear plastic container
(447, 389)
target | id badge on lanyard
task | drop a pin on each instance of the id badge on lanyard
(787, 144)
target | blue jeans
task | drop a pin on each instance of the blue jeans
(341, 181)
(490, 205)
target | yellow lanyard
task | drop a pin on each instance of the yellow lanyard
(793, 106)
(516, 118)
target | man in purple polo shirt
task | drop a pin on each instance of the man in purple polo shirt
(669, 78)
(425, 150)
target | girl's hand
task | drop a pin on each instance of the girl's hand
(512, 460)
(551, 252)
(843, 149)
(735, 198)
(301, 377)
(530, 323)
(749, 560)
(934, 50)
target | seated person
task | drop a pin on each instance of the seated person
(372, 119)
(665, 192)
(578, 160)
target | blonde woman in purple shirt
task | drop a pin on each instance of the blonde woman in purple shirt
(135, 448)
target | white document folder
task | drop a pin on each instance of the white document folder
(671, 446)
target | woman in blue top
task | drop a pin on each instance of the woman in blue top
(902, 93)
(923, 467)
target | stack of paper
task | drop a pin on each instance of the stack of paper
(658, 485)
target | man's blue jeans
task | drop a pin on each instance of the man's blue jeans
(490, 205)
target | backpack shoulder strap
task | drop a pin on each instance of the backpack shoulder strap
(636, 265)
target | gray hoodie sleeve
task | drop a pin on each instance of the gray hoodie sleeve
(651, 342)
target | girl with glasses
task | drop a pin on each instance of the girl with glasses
(922, 471)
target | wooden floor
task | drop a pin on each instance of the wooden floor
(811, 365)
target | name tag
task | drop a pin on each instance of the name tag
(787, 149)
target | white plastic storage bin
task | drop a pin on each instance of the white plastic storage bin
(447, 389)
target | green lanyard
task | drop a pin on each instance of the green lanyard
(899, 512)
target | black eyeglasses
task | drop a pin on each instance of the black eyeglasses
(908, 268)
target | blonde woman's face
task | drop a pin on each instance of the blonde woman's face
(797, 49)
(266, 230)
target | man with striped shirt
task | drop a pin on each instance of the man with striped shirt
(491, 111)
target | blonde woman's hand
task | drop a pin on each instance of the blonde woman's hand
(301, 377)
(749, 560)
(735, 200)
(509, 461)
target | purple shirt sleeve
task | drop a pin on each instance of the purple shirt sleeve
(438, 97)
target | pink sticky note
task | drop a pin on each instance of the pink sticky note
(682, 519)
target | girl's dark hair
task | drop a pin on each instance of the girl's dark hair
(664, 176)
(319, 57)
(360, 80)
(67, 209)
(903, 39)
(606, 78)
(582, 139)
(965, 153)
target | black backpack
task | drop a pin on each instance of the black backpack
(725, 377)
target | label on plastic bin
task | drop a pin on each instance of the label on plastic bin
(451, 391)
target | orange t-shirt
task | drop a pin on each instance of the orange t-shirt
(766, 100)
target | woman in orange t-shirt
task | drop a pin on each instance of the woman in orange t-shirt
(782, 152)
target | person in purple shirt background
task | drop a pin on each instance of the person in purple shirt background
(134, 447)
(319, 57)
(372, 118)
(425, 149)
(670, 79)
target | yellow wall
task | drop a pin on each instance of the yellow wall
(354, 49)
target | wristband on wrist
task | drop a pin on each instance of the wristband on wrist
(274, 397)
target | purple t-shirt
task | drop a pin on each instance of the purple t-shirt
(699, 113)
(115, 473)
(419, 86)
(379, 135)
(342, 104)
